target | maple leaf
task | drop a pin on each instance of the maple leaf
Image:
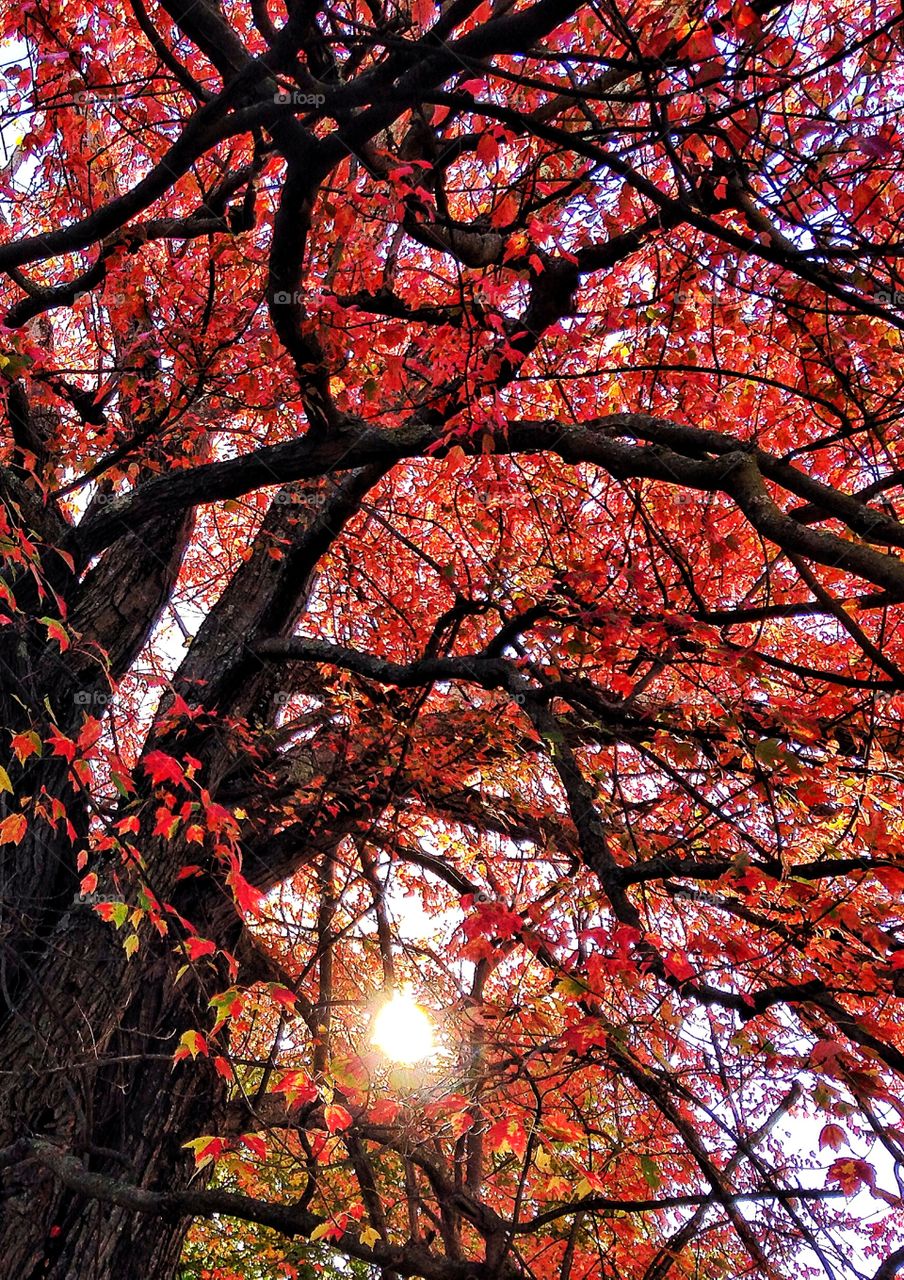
(507, 1136)
(206, 1150)
(297, 1086)
(13, 828)
(249, 899)
(891, 878)
(558, 1127)
(832, 1136)
(198, 947)
(384, 1111)
(191, 1044)
(336, 1117)
(329, 1230)
(61, 745)
(26, 744)
(283, 996)
(676, 963)
(487, 149)
(56, 631)
(166, 823)
(163, 768)
(851, 1174)
(255, 1144)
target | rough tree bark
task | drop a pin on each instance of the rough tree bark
(525, 208)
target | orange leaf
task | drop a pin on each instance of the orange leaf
(336, 1118)
(13, 828)
(384, 1112)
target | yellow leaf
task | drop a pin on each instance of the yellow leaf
(191, 1042)
(5, 784)
(206, 1149)
(369, 1237)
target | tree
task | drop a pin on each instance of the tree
(449, 513)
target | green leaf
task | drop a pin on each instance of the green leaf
(768, 752)
(650, 1173)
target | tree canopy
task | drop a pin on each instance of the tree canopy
(449, 503)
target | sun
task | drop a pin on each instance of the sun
(402, 1030)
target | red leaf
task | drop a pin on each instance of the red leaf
(676, 963)
(205, 1150)
(56, 631)
(336, 1118)
(61, 746)
(891, 878)
(190, 1043)
(297, 1087)
(255, 1143)
(25, 745)
(832, 1136)
(487, 149)
(197, 947)
(248, 898)
(507, 1136)
(163, 768)
(282, 995)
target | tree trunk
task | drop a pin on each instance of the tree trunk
(109, 1056)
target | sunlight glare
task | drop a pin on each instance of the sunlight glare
(402, 1030)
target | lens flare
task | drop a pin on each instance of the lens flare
(402, 1030)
